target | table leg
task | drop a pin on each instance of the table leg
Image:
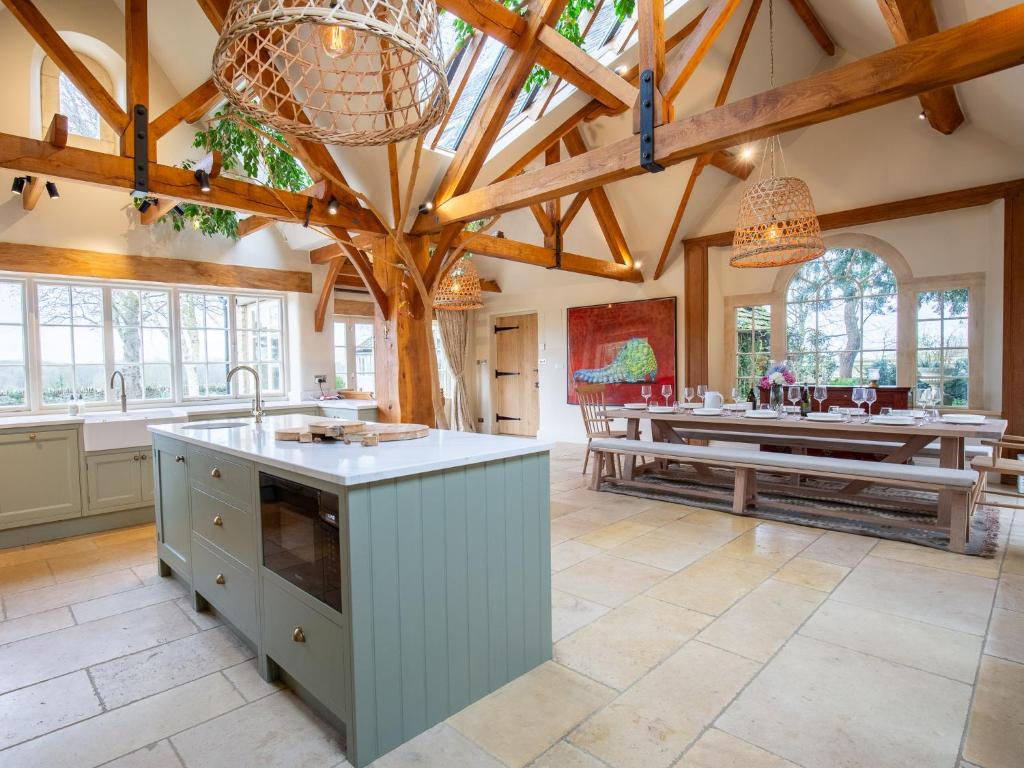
(951, 456)
(632, 433)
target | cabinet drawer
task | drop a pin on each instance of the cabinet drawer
(235, 597)
(306, 644)
(232, 480)
(229, 527)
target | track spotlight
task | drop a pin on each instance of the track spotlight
(204, 180)
(145, 205)
(621, 70)
(332, 206)
(922, 116)
(19, 184)
(52, 191)
(426, 207)
(178, 210)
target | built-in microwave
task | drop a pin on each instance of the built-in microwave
(301, 542)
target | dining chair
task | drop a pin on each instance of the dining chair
(595, 416)
(998, 464)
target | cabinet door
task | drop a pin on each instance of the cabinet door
(114, 480)
(146, 479)
(39, 476)
(173, 521)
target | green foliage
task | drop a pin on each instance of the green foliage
(244, 150)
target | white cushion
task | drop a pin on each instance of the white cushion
(961, 478)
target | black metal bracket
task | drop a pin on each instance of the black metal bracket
(647, 95)
(558, 246)
(140, 136)
(500, 328)
(499, 374)
(309, 211)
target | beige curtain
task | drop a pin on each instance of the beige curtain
(454, 327)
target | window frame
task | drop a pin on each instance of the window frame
(349, 322)
(27, 346)
(750, 382)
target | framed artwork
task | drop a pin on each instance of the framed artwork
(623, 346)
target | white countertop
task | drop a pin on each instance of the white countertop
(336, 462)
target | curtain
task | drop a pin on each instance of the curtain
(454, 327)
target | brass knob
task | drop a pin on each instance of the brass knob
(143, 457)
(220, 578)
(218, 520)
(214, 472)
(298, 635)
(32, 436)
(179, 459)
(135, 458)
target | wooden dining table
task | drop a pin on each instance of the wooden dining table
(911, 439)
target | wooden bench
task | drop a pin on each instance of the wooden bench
(961, 484)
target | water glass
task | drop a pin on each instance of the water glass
(702, 389)
(858, 397)
(870, 396)
(794, 396)
(734, 393)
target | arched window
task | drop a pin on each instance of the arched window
(58, 94)
(841, 319)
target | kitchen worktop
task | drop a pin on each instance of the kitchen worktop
(350, 464)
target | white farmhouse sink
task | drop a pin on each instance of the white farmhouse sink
(109, 431)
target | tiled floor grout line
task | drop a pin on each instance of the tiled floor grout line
(95, 690)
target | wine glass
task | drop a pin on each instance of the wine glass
(858, 397)
(702, 389)
(645, 393)
(734, 393)
(870, 396)
(794, 394)
(666, 392)
(688, 393)
(820, 394)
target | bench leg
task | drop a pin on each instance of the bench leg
(595, 473)
(960, 513)
(741, 490)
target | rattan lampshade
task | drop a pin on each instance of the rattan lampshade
(352, 72)
(460, 289)
(777, 225)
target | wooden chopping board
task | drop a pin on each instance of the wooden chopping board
(389, 432)
(340, 429)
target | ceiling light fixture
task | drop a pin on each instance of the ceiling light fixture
(204, 180)
(355, 73)
(922, 116)
(52, 191)
(145, 205)
(747, 153)
(332, 206)
(426, 207)
(621, 70)
(460, 289)
(19, 184)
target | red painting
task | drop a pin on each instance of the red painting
(623, 346)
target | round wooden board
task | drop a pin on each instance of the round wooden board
(389, 432)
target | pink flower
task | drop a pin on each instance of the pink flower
(764, 383)
(788, 376)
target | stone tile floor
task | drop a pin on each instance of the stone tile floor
(685, 638)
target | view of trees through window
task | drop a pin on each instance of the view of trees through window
(83, 119)
(942, 343)
(13, 381)
(841, 319)
(71, 343)
(753, 345)
(142, 341)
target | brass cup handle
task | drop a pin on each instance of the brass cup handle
(220, 578)
(218, 520)
(298, 635)
(214, 472)
(179, 459)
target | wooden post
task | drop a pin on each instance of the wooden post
(1013, 318)
(136, 45)
(401, 356)
(695, 314)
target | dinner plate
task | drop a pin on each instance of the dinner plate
(661, 409)
(817, 416)
(760, 415)
(707, 411)
(963, 418)
(893, 421)
(636, 406)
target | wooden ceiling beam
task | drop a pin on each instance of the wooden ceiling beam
(490, 286)
(327, 293)
(732, 163)
(99, 168)
(364, 268)
(189, 108)
(216, 11)
(53, 44)
(252, 224)
(685, 61)
(911, 20)
(956, 200)
(817, 29)
(651, 44)
(57, 133)
(136, 50)
(32, 192)
(976, 48)
(491, 18)
(575, 66)
(539, 256)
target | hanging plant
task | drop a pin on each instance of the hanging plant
(245, 151)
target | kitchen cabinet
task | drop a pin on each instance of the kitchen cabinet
(173, 516)
(118, 480)
(39, 475)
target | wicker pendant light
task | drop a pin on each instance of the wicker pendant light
(777, 223)
(352, 72)
(460, 289)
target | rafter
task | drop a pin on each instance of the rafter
(327, 293)
(684, 61)
(817, 29)
(971, 50)
(68, 62)
(910, 20)
(704, 160)
(189, 109)
(252, 224)
(651, 29)
(575, 66)
(32, 192)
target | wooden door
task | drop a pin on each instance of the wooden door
(516, 409)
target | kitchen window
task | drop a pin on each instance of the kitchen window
(71, 345)
(13, 371)
(353, 354)
(943, 344)
(141, 321)
(205, 354)
(259, 334)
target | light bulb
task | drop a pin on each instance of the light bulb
(772, 233)
(337, 40)
(455, 288)
(747, 153)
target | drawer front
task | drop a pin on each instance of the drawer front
(235, 597)
(229, 527)
(318, 661)
(231, 479)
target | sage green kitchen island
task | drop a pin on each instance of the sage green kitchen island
(389, 586)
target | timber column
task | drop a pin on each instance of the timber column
(401, 354)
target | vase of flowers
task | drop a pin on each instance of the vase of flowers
(777, 376)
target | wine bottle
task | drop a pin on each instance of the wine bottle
(752, 398)
(805, 400)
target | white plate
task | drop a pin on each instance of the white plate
(636, 406)
(707, 411)
(661, 409)
(914, 413)
(760, 415)
(737, 406)
(893, 421)
(816, 416)
(691, 405)
(963, 418)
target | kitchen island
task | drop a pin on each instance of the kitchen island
(390, 586)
